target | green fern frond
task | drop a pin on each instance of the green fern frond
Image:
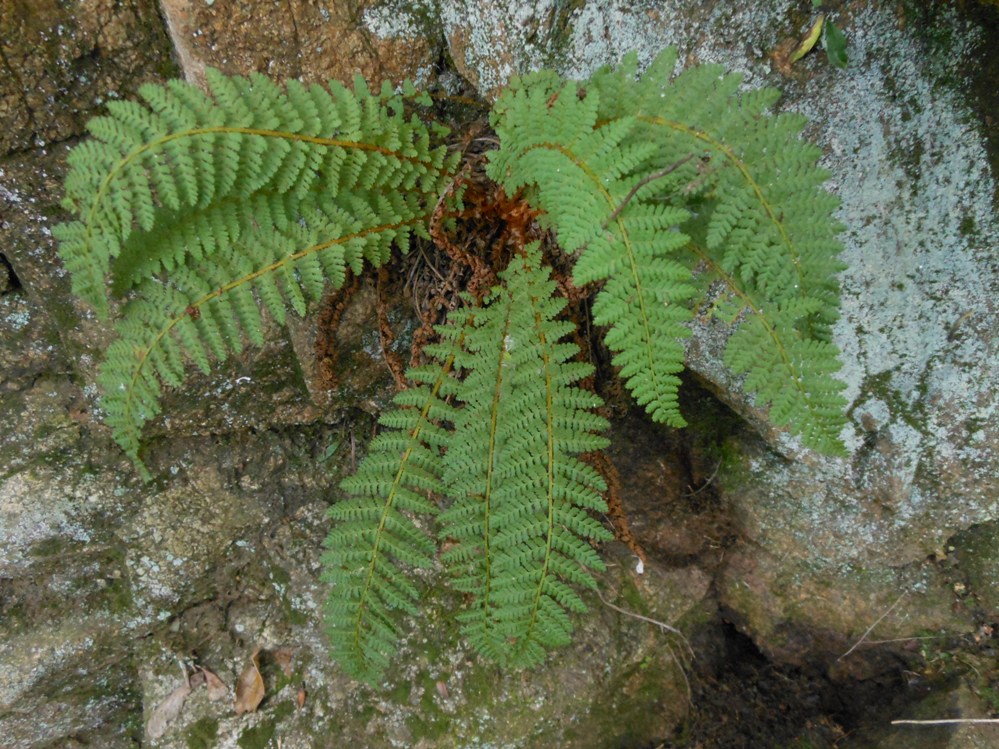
(375, 540)
(768, 221)
(519, 517)
(202, 313)
(184, 150)
(764, 229)
(205, 208)
(792, 372)
(616, 162)
(194, 235)
(589, 179)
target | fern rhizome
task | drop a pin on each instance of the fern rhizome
(642, 200)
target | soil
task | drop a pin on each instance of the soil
(750, 703)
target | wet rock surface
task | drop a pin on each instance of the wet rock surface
(821, 598)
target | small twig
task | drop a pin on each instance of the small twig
(683, 673)
(908, 639)
(871, 628)
(431, 266)
(662, 625)
(490, 139)
(642, 183)
(631, 193)
(705, 485)
(943, 721)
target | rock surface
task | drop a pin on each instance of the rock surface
(113, 593)
(62, 59)
(300, 39)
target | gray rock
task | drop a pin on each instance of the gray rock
(917, 333)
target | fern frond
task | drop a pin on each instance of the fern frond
(184, 150)
(793, 373)
(590, 184)
(519, 516)
(375, 540)
(205, 207)
(769, 221)
(765, 231)
(203, 312)
(615, 163)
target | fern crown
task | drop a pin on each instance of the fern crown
(201, 214)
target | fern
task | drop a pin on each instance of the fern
(375, 541)
(194, 202)
(202, 215)
(617, 164)
(520, 495)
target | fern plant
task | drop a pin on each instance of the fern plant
(197, 213)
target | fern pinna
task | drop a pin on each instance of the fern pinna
(197, 213)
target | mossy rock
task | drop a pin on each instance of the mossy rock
(978, 558)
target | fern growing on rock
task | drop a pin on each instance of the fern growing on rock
(198, 213)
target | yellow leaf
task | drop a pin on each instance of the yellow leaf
(809, 41)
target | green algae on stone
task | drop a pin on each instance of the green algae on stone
(203, 733)
(977, 550)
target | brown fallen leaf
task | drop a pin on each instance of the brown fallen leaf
(217, 690)
(300, 700)
(167, 711)
(249, 686)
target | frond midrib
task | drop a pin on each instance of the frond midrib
(413, 440)
(550, 468)
(490, 470)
